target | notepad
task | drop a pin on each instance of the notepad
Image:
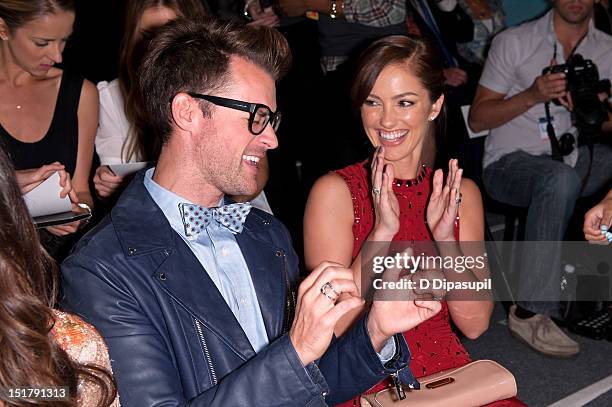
(60, 218)
(47, 208)
(122, 170)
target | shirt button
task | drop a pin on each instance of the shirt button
(225, 251)
(242, 300)
(324, 394)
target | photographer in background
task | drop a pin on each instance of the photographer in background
(526, 112)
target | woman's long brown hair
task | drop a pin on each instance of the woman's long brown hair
(29, 356)
(133, 47)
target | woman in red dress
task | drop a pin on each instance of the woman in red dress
(396, 197)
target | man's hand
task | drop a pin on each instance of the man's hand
(388, 318)
(394, 311)
(548, 87)
(455, 77)
(106, 182)
(316, 314)
(566, 101)
(598, 216)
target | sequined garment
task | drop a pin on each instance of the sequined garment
(83, 344)
(433, 345)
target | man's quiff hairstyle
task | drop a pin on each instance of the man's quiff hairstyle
(189, 56)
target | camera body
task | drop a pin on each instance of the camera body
(584, 85)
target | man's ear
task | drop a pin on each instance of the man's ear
(186, 112)
(436, 108)
(4, 30)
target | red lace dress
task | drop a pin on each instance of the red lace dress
(433, 345)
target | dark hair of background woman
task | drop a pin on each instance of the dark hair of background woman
(28, 289)
(16, 13)
(132, 51)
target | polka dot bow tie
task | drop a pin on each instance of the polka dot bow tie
(196, 218)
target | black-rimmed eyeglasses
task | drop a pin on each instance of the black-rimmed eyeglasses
(260, 115)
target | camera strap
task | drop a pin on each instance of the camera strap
(556, 150)
(552, 136)
(571, 52)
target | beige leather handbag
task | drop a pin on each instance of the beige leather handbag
(475, 384)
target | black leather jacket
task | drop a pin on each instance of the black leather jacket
(172, 339)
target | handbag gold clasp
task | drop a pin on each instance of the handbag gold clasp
(440, 383)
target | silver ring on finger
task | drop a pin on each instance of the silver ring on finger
(326, 289)
(376, 190)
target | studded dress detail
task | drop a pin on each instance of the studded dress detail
(433, 345)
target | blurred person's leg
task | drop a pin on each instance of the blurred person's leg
(601, 168)
(549, 189)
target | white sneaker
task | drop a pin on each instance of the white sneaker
(542, 334)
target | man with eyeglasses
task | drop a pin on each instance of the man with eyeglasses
(196, 296)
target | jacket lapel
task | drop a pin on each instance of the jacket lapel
(144, 231)
(188, 282)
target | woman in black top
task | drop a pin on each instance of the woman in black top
(48, 117)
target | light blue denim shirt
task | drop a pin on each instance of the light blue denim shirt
(218, 252)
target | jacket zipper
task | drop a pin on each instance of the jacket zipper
(290, 300)
(206, 352)
(288, 309)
